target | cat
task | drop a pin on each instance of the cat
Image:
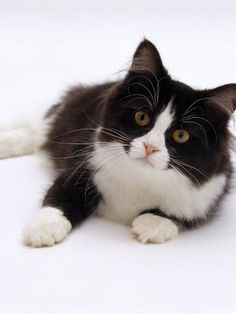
(146, 151)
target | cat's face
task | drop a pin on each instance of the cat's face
(151, 147)
(165, 124)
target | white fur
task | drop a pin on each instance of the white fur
(21, 140)
(152, 228)
(130, 184)
(156, 138)
(47, 228)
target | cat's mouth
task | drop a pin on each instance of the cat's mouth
(148, 162)
(144, 161)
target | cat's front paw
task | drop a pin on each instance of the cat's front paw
(47, 228)
(153, 228)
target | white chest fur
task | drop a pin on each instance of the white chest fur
(129, 187)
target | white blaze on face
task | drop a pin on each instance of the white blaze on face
(155, 137)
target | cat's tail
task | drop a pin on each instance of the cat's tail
(22, 138)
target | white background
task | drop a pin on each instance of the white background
(47, 46)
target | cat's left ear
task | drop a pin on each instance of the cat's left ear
(147, 59)
(225, 97)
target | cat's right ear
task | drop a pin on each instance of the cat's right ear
(221, 103)
(147, 59)
(225, 97)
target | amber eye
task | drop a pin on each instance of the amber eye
(180, 136)
(142, 118)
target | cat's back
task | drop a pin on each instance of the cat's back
(71, 124)
(78, 106)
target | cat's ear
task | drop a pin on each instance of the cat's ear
(147, 58)
(221, 104)
(225, 97)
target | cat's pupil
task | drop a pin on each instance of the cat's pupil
(142, 117)
(181, 134)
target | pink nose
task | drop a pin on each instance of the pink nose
(150, 149)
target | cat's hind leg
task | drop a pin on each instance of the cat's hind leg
(21, 139)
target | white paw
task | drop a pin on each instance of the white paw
(47, 228)
(153, 228)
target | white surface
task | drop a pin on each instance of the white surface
(45, 47)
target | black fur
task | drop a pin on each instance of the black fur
(111, 106)
(77, 198)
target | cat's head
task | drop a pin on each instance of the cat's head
(166, 124)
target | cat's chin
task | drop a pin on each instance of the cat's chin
(146, 162)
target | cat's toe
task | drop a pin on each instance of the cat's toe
(47, 228)
(153, 228)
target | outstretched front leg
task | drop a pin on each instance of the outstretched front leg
(68, 202)
(154, 226)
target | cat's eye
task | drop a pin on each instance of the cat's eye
(141, 118)
(180, 136)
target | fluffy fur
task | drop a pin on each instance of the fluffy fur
(21, 139)
(108, 164)
(152, 228)
(47, 228)
(128, 188)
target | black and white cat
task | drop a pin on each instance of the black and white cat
(147, 151)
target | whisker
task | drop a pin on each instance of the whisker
(158, 88)
(134, 95)
(206, 120)
(188, 173)
(90, 163)
(177, 170)
(84, 152)
(202, 128)
(107, 129)
(144, 77)
(194, 168)
(76, 130)
(139, 84)
(195, 102)
(111, 158)
(117, 132)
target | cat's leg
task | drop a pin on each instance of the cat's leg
(153, 226)
(66, 203)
